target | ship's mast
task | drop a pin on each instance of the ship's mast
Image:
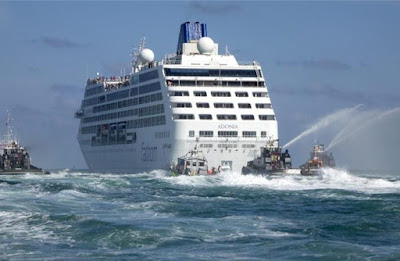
(135, 54)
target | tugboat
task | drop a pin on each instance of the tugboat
(14, 159)
(271, 161)
(192, 164)
(319, 158)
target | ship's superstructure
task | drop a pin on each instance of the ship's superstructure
(163, 109)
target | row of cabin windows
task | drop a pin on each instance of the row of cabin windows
(151, 87)
(223, 117)
(221, 105)
(132, 124)
(128, 103)
(216, 83)
(245, 134)
(218, 94)
(145, 111)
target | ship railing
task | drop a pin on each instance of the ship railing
(251, 63)
(171, 61)
(115, 84)
(112, 79)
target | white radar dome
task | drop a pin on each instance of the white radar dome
(146, 56)
(205, 45)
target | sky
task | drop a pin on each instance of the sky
(318, 58)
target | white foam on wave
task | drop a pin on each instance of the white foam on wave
(22, 226)
(329, 179)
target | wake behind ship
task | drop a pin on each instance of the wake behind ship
(163, 109)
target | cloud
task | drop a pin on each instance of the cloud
(324, 64)
(33, 69)
(214, 8)
(66, 89)
(56, 42)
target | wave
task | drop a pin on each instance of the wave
(329, 179)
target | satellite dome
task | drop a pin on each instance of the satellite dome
(205, 45)
(146, 56)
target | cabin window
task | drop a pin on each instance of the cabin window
(206, 133)
(242, 94)
(227, 133)
(266, 117)
(202, 105)
(244, 105)
(205, 116)
(260, 94)
(249, 134)
(263, 134)
(247, 117)
(179, 93)
(191, 133)
(183, 105)
(200, 93)
(263, 106)
(221, 94)
(223, 105)
(187, 83)
(249, 84)
(183, 117)
(226, 117)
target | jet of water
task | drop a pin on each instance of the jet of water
(324, 122)
(342, 136)
(361, 121)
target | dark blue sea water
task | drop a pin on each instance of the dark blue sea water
(71, 215)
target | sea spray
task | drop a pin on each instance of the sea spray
(324, 122)
(352, 129)
(357, 122)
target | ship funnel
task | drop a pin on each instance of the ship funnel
(190, 32)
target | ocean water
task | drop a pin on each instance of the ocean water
(71, 215)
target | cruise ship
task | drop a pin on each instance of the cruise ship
(194, 98)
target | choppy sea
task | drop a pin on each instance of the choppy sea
(72, 215)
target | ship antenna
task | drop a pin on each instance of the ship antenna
(226, 50)
(135, 54)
